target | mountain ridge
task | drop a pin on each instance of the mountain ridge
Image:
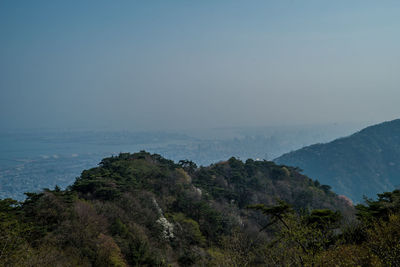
(366, 162)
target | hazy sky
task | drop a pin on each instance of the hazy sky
(184, 64)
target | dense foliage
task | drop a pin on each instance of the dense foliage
(144, 210)
(365, 163)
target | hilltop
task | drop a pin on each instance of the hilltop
(144, 210)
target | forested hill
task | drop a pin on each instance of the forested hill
(364, 163)
(144, 210)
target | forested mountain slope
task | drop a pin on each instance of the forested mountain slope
(365, 163)
(144, 210)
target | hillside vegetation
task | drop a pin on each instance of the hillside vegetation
(144, 210)
(365, 163)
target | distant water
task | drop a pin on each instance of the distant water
(30, 161)
(20, 147)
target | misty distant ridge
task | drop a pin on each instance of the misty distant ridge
(362, 164)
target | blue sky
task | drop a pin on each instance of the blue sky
(197, 64)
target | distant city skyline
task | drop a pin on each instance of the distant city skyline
(164, 65)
